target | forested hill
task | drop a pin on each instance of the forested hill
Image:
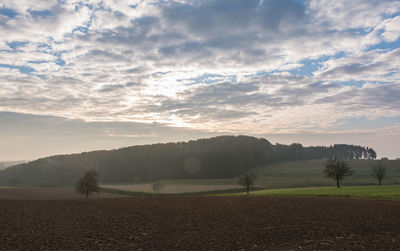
(218, 157)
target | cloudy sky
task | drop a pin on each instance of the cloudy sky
(102, 74)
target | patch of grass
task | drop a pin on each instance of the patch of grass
(373, 192)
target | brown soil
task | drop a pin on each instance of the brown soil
(200, 223)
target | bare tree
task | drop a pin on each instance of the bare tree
(379, 172)
(157, 186)
(88, 184)
(248, 181)
(338, 169)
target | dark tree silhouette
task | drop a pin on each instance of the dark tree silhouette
(88, 184)
(371, 154)
(338, 169)
(248, 181)
(379, 172)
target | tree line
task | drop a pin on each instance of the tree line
(217, 157)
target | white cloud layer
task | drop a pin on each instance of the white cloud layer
(245, 66)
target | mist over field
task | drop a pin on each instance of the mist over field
(5, 164)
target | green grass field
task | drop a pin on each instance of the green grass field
(310, 174)
(375, 192)
(296, 174)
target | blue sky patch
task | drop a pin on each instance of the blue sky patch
(308, 68)
(8, 12)
(16, 44)
(60, 62)
(40, 13)
(38, 62)
(22, 69)
(385, 45)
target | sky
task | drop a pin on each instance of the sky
(102, 74)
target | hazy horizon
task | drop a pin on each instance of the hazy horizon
(65, 136)
(101, 74)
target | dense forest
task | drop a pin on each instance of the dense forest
(218, 157)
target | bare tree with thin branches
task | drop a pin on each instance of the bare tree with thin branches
(88, 184)
(157, 186)
(248, 181)
(379, 172)
(338, 169)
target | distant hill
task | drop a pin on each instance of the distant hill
(218, 157)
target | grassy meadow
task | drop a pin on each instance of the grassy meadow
(309, 173)
(376, 192)
(295, 174)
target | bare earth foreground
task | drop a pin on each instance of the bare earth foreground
(206, 223)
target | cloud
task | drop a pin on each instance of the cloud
(110, 88)
(233, 16)
(343, 15)
(376, 65)
(244, 66)
(391, 29)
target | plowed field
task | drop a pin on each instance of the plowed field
(200, 223)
